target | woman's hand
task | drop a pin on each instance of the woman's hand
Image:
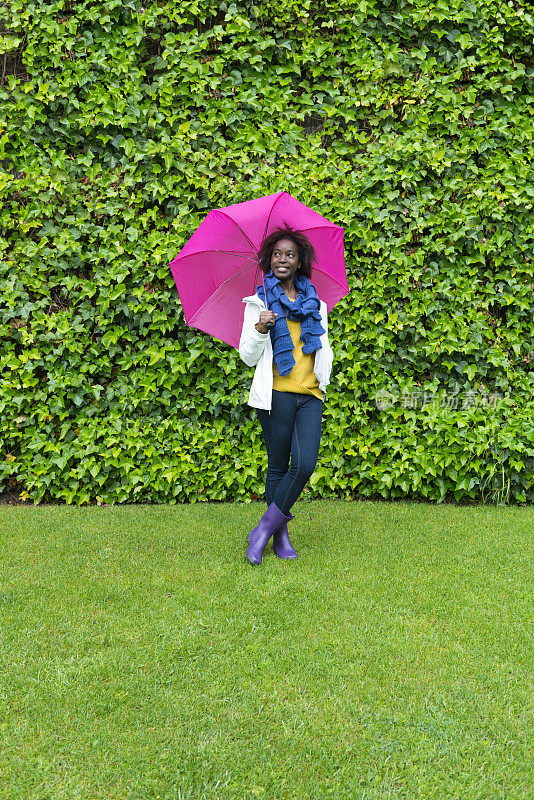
(265, 317)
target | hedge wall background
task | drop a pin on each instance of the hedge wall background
(408, 123)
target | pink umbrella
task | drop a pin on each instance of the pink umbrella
(218, 265)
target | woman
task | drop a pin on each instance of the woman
(286, 336)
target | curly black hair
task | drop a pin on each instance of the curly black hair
(305, 249)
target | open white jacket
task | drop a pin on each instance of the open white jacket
(256, 350)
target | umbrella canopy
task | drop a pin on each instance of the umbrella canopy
(218, 265)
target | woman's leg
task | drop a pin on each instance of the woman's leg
(277, 430)
(292, 429)
(305, 441)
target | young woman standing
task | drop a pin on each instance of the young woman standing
(285, 335)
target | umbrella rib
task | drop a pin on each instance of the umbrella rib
(213, 250)
(239, 227)
(328, 227)
(270, 212)
(231, 253)
(330, 277)
(231, 278)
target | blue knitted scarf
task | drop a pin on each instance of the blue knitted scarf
(305, 309)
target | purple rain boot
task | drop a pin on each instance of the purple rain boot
(272, 520)
(281, 544)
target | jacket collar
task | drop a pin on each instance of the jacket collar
(253, 298)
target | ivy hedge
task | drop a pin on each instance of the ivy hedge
(408, 123)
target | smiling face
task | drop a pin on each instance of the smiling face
(285, 260)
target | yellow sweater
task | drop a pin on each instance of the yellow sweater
(302, 379)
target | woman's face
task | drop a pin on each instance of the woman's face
(285, 260)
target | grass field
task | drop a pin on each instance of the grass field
(143, 657)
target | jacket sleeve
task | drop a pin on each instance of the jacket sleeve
(328, 354)
(252, 343)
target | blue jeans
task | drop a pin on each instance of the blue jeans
(292, 429)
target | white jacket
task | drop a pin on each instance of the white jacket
(256, 349)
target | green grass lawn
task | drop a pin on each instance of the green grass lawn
(143, 657)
